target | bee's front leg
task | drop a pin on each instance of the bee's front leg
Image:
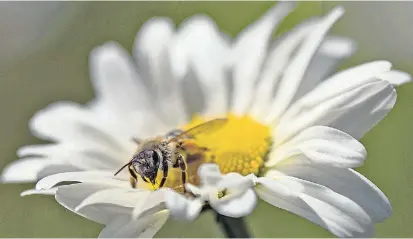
(133, 179)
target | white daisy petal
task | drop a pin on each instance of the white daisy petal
(154, 59)
(145, 227)
(151, 41)
(56, 168)
(71, 196)
(193, 94)
(23, 170)
(209, 174)
(38, 192)
(236, 181)
(340, 83)
(116, 196)
(32, 169)
(361, 117)
(322, 145)
(336, 85)
(69, 122)
(231, 195)
(193, 189)
(239, 206)
(126, 225)
(207, 55)
(354, 112)
(182, 208)
(116, 81)
(294, 73)
(56, 121)
(395, 77)
(105, 178)
(38, 150)
(322, 105)
(348, 183)
(112, 227)
(337, 47)
(77, 156)
(331, 52)
(322, 206)
(154, 200)
(274, 65)
(250, 51)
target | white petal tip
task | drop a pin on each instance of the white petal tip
(38, 192)
(107, 54)
(285, 6)
(334, 14)
(338, 47)
(107, 49)
(395, 77)
(338, 11)
(21, 171)
(208, 167)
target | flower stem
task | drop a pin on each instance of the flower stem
(232, 227)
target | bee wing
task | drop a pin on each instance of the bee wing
(205, 128)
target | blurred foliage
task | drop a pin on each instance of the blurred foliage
(61, 73)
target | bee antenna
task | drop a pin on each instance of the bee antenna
(122, 168)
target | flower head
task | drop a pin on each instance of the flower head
(291, 136)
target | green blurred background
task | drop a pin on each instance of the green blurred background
(54, 66)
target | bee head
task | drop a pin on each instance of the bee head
(146, 163)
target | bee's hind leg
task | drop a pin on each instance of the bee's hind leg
(180, 162)
(165, 168)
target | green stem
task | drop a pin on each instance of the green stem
(232, 227)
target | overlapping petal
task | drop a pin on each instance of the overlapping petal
(321, 145)
(319, 204)
(345, 181)
(294, 73)
(249, 52)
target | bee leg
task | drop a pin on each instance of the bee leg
(181, 163)
(165, 168)
(132, 182)
(133, 179)
(144, 179)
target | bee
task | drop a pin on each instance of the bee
(161, 153)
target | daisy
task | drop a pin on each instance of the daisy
(291, 135)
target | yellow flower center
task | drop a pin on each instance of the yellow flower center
(240, 146)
